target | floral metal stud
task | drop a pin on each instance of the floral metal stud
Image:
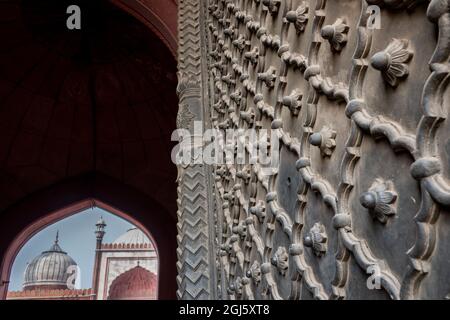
(255, 272)
(268, 77)
(252, 55)
(293, 102)
(336, 34)
(392, 61)
(281, 260)
(325, 140)
(272, 5)
(380, 200)
(235, 287)
(316, 239)
(240, 229)
(239, 42)
(298, 17)
(259, 210)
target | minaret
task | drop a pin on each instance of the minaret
(99, 233)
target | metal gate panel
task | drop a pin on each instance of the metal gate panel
(357, 207)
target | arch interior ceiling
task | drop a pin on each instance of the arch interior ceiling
(100, 99)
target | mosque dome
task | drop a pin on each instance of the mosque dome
(135, 284)
(133, 236)
(49, 270)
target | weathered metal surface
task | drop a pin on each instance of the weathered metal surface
(361, 194)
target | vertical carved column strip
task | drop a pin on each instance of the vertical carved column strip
(195, 263)
(428, 165)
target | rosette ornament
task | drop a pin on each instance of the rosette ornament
(325, 140)
(380, 200)
(298, 17)
(268, 77)
(392, 61)
(336, 34)
(293, 102)
(255, 272)
(252, 55)
(272, 5)
(281, 260)
(316, 239)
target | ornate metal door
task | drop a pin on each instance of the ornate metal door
(356, 92)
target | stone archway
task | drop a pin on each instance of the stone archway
(159, 16)
(77, 123)
(137, 212)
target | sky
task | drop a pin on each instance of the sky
(76, 237)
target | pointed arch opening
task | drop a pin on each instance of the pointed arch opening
(132, 256)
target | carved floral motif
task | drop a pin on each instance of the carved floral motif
(252, 55)
(392, 61)
(255, 272)
(235, 287)
(184, 117)
(380, 200)
(244, 174)
(240, 230)
(281, 260)
(298, 17)
(240, 42)
(293, 102)
(272, 5)
(336, 34)
(316, 239)
(259, 210)
(325, 140)
(268, 77)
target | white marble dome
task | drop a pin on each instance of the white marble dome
(50, 269)
(133, 236)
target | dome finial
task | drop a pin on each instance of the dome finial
(49, 269)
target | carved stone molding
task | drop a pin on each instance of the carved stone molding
(196, 262)
(427, 167)
(184, 117)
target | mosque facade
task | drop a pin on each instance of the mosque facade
(125, 269)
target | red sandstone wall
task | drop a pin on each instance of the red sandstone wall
(52, 294)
